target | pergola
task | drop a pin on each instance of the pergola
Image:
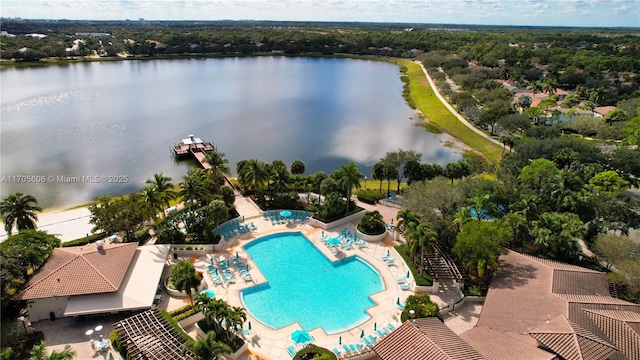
(148, 336)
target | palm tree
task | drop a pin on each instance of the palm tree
(255, 173)
(349, 176)
(483, 205)
(217, 211)
(406, 217)
(528, 206)
(421, 239)
(297, 167)
(201, 301)
(19, 210)
(377, 173)
(462, 217)
(215, 313)
(596, 95)
(207, 349)
(549, 86)
(192, 187)
(184, 277)
(535, 87)
(234, 320)
(279, 176)
(151, 202)
(219, 166)
(38, 352)
(165, 189)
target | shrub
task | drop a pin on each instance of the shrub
(372, 223)
(422, 305)
(180, 310)
(83, 240)
(369, 196)
(312, 351)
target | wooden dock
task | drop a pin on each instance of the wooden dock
(200, 156)
(196, 148)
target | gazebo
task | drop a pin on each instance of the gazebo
(148, 335)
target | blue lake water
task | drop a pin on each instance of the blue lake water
(121, 119)
(305, 287)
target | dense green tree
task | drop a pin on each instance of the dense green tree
(608, 182)
(19, 210)
(456, 170)
(219, 166)
(185, 278)
(112, 216)
(557, 233)
(614, 249)
(193, 187)
(479, 245)
(398, 159)
(425, 197)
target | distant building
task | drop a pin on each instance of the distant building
(602, 111)
(93, 35)
(37, 36)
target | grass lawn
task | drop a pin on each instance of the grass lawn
(427, 102)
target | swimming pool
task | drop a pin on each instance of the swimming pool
(303, 286)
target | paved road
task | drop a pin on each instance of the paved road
(452, 110)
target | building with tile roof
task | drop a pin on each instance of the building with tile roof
(95, 278)
(425, 339)
(535, 309)
(562, 307)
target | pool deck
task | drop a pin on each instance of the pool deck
(269, 343)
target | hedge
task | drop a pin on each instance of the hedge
(369, 196)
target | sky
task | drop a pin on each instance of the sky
(585, 13)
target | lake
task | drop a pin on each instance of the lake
(120, 119)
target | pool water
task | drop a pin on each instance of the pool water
(303, 286)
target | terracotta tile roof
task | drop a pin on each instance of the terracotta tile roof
(424, 339)
(571, 341)
(519, 298)
(557, 265)
(579, 283)
(79, 271)
(500, 345)
(621, 327)
(604, 110)
(446, 339)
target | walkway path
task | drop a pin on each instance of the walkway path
(452, 110)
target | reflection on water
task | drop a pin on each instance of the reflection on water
(121, 119)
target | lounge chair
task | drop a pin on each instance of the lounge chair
(367, 341)
(292, 351)
(353, 348)
(346, 348)
(247, 278)
(387, 257)
(253, 227)
(337, 352)
(373, 338)
(360, 346)
(390, 261)
(246, 332)
(405, 286)
(400, 305)
(391, 326)
(381, 333)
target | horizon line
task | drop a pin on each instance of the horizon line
(324, 22)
